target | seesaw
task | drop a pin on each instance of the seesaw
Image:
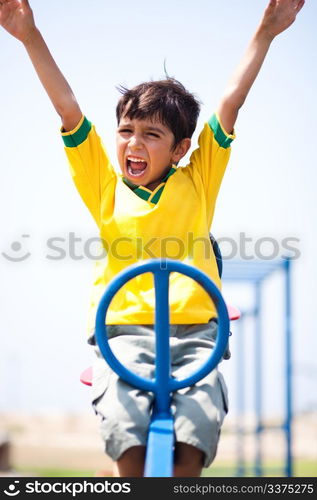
(160, 444)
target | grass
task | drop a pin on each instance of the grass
(40, 472)
(302, 468)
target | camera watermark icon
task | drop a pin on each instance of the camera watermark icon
(17, 251)
(13, 491)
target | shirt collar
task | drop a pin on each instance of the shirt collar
(145, 193)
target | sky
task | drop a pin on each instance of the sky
(268, 190)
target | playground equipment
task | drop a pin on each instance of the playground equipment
(255, 273)
(234, 313)
(159, 451)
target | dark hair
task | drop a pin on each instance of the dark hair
(165, 100)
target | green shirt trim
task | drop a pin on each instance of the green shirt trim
(145, 193)
(78, 137)
(224, 140)
(157, 195)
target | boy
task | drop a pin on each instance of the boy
(152, 210)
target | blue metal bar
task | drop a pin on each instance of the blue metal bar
(162, 356)
(160, 445)
(258, 468)
(160, 448)
(288, 369)
(250, 271)
(240, 390)
(255, 272)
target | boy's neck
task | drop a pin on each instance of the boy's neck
(152, 185)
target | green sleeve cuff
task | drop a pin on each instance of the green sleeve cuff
(78, 135)
(224, 140)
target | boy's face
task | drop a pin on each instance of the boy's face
(145, 150)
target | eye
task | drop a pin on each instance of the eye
(125, 131)
(153, 134)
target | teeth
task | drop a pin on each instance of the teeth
(136, 160)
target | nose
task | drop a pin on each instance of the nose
(135, 142)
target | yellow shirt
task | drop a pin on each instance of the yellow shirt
(133, 229)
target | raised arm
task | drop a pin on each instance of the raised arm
(278, 16)
(16, 17)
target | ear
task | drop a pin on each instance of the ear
(181, 149)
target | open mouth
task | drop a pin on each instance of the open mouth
(135, 166)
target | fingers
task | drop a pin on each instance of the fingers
(272, 4)
(270, 7)
(10, 3)
(300, 5)
(6, 2)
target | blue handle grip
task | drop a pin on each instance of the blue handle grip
(161, 270)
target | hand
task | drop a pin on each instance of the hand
(16, 17)
(280, 15)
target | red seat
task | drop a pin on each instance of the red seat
(233, 312)
(86, 376)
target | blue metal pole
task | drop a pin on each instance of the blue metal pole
(160, 446)
(288, 368)
(258, 381)
(162, 339)
(240, 389)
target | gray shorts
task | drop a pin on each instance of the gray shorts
(125, 411)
